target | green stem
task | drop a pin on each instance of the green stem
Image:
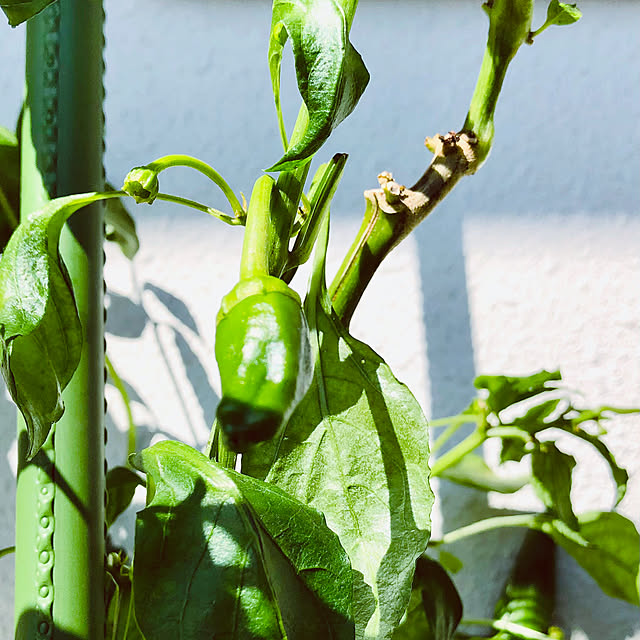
(509, 26)
(6, 551)
(509, 432)
(451, 457)
(258, 231)
(9, 214)
(393, 211)
(233, 221)
(454, 422)
(119, 385)
(518, 630)
(529, 520)
(179, 160)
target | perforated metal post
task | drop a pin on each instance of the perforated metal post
(60, 495)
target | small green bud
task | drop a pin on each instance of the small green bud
(142, 184)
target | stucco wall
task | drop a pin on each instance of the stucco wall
(532, 263)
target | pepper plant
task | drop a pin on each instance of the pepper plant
(308, 514)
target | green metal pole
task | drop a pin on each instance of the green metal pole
(60, 513)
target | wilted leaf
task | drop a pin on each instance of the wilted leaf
(607, 547)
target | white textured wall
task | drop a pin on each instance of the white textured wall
(531, 263)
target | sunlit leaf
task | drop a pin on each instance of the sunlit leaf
(330, 72)
(40, 331)
(357, 450)
(607, 547)
(220, 555)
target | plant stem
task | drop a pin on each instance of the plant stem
(258, 231)
(233, 221)
(454, 423)
(6, 551)
(518, 630)
(393, 211)
(119, 385)
(471, 442)
(179, 160)
(519, 520)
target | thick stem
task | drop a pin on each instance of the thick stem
(393, 211)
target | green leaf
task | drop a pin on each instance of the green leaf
(218, 554)
(120, 226)
(507, 390)
(121, 485)
(440, 599)
(435, 609)
(330, 73)
(561, 13)
(18, 11)
(608, 548)
(551, 471)
(472, 471)
(9, 185)
(40, 331)
(356, 449)
(450, 563)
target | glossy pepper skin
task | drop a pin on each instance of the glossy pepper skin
(264, 356)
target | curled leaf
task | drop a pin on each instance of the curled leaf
(330, 73)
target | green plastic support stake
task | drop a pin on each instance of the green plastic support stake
(60, 534)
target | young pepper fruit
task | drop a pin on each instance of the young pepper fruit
(264, 356)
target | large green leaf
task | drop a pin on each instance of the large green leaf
(330, 72)
(356, 449)
(220, 555)
(607, 547)
(40, 331)
(18, 11)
